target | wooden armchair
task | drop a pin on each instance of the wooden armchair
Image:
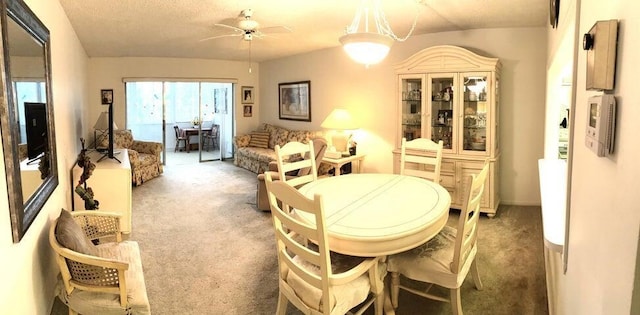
(106, 278)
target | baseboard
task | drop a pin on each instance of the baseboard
(520, 203)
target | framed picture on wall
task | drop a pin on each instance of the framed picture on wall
(247, 94)
(248, 111)
(106, 96)
(295, 100)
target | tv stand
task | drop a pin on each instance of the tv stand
(37, 158)
(109, 156)
(111, 184)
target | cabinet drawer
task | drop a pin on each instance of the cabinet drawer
(448, 166)
(448, 181)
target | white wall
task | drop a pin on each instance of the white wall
(27, 269)
(107, 73)
(605, 216)
(337, 81)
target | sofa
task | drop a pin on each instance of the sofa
(255, 150)
(144, 156)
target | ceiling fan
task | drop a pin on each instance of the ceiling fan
(247, 28)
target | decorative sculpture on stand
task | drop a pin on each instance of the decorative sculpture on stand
(86, 193)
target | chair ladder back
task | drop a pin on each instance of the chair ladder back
(287, 227)
(301, 180)
(427, 166)
(293, 150)
(466, 237)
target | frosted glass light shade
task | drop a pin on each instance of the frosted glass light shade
(339, 119)
(366, 48)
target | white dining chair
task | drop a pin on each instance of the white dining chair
(446, 259)
(312, 278)
(421, 158)
(296, 158)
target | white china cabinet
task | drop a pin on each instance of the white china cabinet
(451, 94)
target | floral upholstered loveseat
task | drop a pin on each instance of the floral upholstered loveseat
(255, 150)
(144, 156)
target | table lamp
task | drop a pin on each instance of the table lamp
(101, 128)
(339, 120)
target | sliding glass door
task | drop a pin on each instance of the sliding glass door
(199, 111)
(216, 114)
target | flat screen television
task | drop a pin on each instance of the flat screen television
(35, 115)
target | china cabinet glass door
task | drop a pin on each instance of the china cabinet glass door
(411, 92)
(475, 106)
(441, 108)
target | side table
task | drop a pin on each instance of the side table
(339, 162)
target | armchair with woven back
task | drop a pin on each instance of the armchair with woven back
(99, 272)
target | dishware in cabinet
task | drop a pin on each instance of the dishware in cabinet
(411, 106)
(456, 101)
(475, 107)
(442, 109)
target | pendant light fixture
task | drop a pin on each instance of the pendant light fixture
(371, 44)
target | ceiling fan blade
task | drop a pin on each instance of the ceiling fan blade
(275, 29)
(239, 30)
(219, 36)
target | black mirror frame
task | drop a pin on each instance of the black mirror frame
(23, 212)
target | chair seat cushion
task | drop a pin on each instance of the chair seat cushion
(431, 262)
(345, 297)
(85, 302)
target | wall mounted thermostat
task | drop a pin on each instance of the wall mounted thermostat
(601, 115)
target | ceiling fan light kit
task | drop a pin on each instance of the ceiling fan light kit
(248, 29)
(370, 47)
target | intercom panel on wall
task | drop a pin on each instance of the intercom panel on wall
(601, 116)
(600, 44)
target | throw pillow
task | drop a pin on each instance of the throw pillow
(259, 139)
(279, 137)
(299, 136)
(70, 235)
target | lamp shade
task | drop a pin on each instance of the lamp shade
(339, 119)
(103, 122)
(366, 48)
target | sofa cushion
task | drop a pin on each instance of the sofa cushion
(277, 135)
(280, 137)
(299, 136)
(258, 154)
(259, 139)
(70, 235)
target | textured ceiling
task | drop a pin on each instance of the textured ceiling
(175, 28)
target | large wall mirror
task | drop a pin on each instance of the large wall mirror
(26, 115)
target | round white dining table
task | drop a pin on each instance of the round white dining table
(374, 215)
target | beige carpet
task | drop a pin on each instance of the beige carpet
(207, 250)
